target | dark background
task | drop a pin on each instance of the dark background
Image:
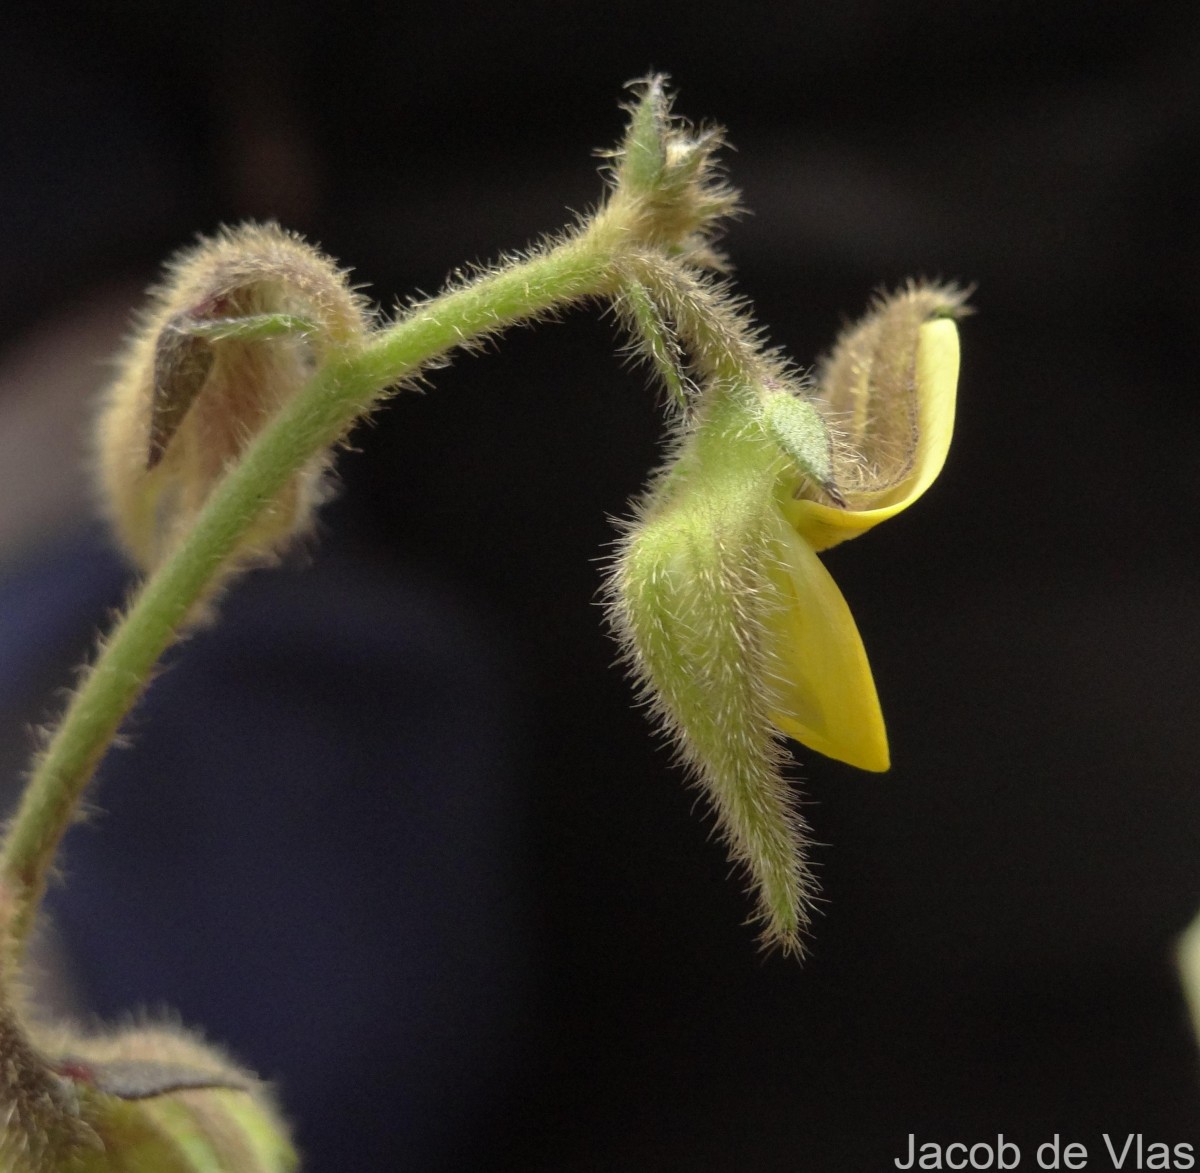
(995, 951)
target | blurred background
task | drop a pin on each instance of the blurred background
(393, 831)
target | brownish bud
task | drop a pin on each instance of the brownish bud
(242, 322)
(142, 1099)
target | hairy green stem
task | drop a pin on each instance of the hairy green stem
(720, 337)
(342, 391)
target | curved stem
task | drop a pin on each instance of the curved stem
(341, 392)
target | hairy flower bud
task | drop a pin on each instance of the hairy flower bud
(668, 170)
(240, 325)
(141, 1100)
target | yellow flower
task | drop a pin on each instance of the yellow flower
(887, 394)
(734, 628)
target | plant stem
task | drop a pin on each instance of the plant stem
(322, 413)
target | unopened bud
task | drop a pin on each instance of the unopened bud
(240, 325)
(669, 169)
(159, 1099)
(142, 1100)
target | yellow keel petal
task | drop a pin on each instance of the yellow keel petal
(823, 694)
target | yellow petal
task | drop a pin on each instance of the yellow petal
(823, 694)
(935, 375)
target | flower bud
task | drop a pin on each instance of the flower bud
(669, 170)
(142, 1100)
(156, 1099)
(240, 325)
